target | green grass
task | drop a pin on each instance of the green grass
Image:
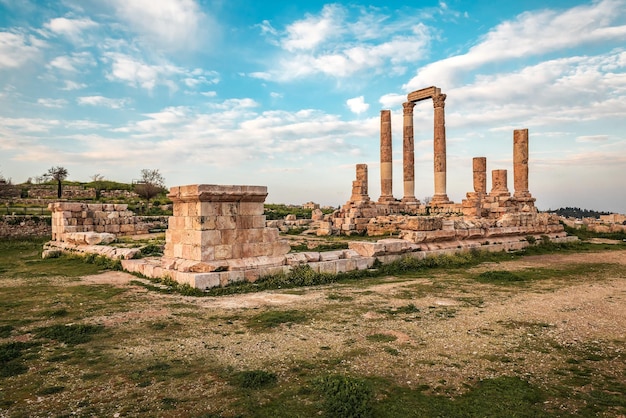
(381, 338)
(70, 334)
(272, 319)
(254, 379)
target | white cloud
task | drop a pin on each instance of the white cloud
(392, 100)
(52, 102)
(211, 93)
(75, 62)
(16, 49)
(530, 34)
(313, 30)
(135, 72)
(592, 138)
(337, 45)
(71, 28)
(72, 85)
(101, 101)
(357, 105)
(166, 24)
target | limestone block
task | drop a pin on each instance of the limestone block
(251, 208)
(270, 235)
(367, 249)
(229, 209)
(209, 238)
(128, 228)
(228, 277)
(331, 255)
(223, 252)
(311, 256)
(295, 259)
(120, 207)
(206, 281)
(225, 222)
(250, 221)
(364, 263)
(350, 254)
(392, 245)
(108, 207)
(342, 266)
(208, 253)
(327, 267)
(280, 248)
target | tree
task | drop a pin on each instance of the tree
(150, 184)
(57, 174)
(96, 180)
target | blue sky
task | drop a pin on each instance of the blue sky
(288, 94)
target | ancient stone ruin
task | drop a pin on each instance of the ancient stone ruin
(219, 235)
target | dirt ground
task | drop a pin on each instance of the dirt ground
(443, 330)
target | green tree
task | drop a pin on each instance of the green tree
(57, 174)
(150, 184)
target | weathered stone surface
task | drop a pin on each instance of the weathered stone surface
(386, 162)
(408, 153)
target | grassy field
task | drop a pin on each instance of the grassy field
(501, 336)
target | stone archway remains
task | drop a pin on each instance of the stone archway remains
(439, 142)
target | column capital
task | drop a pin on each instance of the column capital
(408, 108)
(439, 100)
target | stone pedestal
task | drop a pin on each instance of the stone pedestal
(408, 155)
(386, 163)
(212, 223)
(440, 195)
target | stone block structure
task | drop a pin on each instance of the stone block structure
(212, 224)
(70, 218)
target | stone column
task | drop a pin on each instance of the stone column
(359, 186)
(440, 195)
(480, 174)
(408, 154)
(520, 163)
(386, 170)
(499, 183)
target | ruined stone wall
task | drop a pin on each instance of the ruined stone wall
(24, 226)
(75, 217)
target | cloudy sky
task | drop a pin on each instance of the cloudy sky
(288, 93)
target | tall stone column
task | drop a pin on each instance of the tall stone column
(479, 165)
(386, 169)
(440, 150)
(408, 154)
(520, 163)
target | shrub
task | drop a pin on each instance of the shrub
(345, 396)
(254, 379)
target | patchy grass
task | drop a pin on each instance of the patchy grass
(70, 334)
(254, 379)
(272, 319)
(381, 338)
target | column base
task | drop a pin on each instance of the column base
(439, 199)
(410, 200)
(387, 199)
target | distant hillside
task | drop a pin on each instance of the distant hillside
(577, 213)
